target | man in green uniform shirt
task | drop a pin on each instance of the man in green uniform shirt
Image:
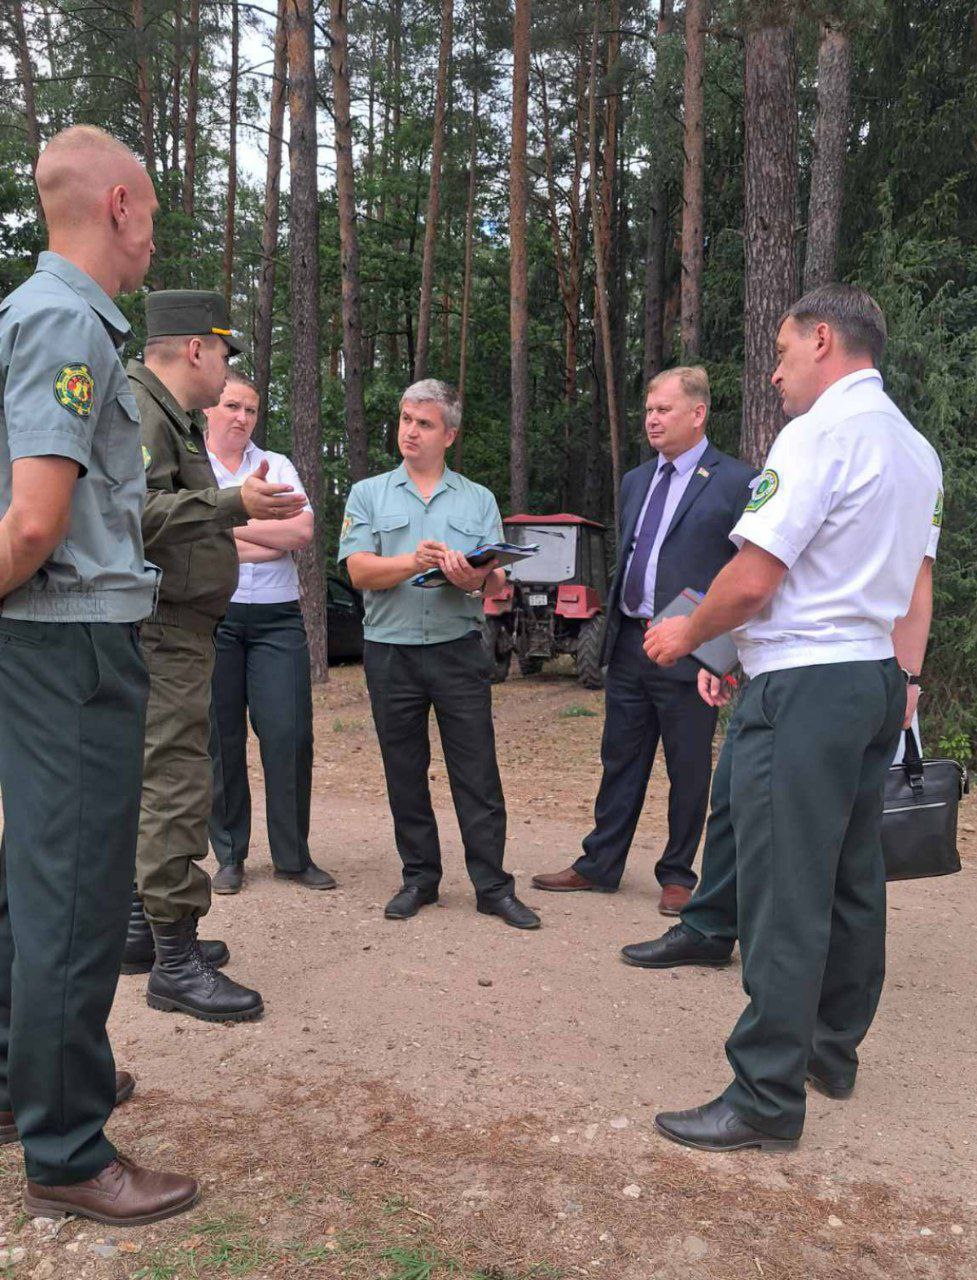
(187, 529)
(423, 649)
(74, 584)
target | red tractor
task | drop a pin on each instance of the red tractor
(554, 601)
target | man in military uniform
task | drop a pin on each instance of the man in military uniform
(423, 648)
(187, 529)
(833, 550)
(73, 684)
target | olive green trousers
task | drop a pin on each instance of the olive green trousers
(177, 775)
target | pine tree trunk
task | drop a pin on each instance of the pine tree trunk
(27, 81)
(177, 86)
(144, 88)
(269, 229)
(466, 292)
(599, 219)
(304, 249)
(434, 197)
(657, 222)
(228, 261)
(770, 161)
(518, 266)
(693, 180)
(348, 247)
(190, 127)
(828, 167)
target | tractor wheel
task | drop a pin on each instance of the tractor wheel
(589, 639)
(530, 666)
(498, 657)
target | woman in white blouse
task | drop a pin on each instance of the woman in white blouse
(262, 665)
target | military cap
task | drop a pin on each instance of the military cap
(187, 313)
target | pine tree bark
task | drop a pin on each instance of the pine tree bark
(770, 161)
(657, 221)
(434, 196)
(349, 254)
(269, 229)
(190, 126)
(466, 291)
(144, 88)
(27, 81)
(518, 265)
(828, 167)
(228, 260)
(693, 180)
(600, 220)
(177, 86)
(304, 250)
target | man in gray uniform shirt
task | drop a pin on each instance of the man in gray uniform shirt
(73, 684)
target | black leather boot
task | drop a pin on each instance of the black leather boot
(140, 953)
(183, 981)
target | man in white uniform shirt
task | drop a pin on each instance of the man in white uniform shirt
(262, 665)
(830, 592)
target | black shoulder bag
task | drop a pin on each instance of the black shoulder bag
(919, 818)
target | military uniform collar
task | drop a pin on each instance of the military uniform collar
(83, 284)
(449, 480)
(164, 397)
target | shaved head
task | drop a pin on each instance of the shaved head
(76, 171)
(99, 203)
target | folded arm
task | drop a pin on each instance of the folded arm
(37, 519)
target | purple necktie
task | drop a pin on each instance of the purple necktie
(634, 585)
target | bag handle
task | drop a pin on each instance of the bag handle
(912, 761)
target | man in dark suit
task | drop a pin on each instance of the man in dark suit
(676, 515)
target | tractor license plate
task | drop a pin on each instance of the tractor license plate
(539, 599)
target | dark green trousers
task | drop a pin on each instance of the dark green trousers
(712, 908)
(807, 767)
(72, 719)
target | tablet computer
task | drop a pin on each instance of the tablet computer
(718, 656)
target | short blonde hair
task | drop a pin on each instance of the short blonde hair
(694, 380)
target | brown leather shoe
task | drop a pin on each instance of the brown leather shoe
(567, 882)
(125, 1083)
(122, 1195)
(673, 899)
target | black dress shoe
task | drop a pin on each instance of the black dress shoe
(312, 877)
(229, 879)
(678, 945)
(511, 910)
(408, 901)
(830, 1086)
(717, 1127)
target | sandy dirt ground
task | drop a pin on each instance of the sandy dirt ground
(451, 1097)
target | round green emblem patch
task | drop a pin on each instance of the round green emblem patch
(765, 488)
(74, 389)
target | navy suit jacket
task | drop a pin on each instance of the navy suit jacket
(697, 543)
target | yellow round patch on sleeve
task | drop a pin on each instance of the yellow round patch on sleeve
(74, 389)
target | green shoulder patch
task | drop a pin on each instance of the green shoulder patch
(191, 446)
(765, 488)
(74, 389)
(938, 512)
(147, 458)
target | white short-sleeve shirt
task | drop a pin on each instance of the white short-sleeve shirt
(851, 501)
(275, 581)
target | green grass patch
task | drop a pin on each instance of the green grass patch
(575, 711)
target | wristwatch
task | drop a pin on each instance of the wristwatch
(911, 677)
(474, 595)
